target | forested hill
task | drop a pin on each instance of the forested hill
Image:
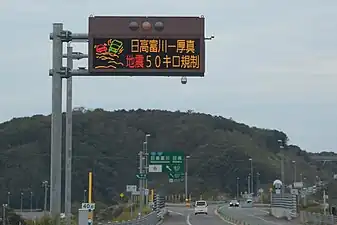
(108, 143)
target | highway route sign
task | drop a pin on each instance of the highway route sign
(89, 206)
(131, 188)
(173, 163)
(167, 161)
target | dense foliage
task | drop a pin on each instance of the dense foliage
(108, 143)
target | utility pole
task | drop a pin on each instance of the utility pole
(69, 134)
(141, 188)
(45, 186)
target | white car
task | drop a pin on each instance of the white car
(200, 207)
(234, 203)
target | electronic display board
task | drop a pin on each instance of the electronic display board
(144, 54)
(146, 46)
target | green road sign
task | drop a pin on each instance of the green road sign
(141, 176)
(169, 161)
(173, 163)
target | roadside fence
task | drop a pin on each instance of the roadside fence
(317, 218)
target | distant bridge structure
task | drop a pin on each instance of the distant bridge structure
(324, 159)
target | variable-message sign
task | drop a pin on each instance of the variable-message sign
(144, 54)
(146, 46)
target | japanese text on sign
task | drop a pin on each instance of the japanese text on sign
(147, 54)
(166, 158)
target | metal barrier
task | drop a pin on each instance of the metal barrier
(150, 219)
(317, 218)
(221, 212)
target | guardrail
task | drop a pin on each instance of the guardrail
(152, 218)
(259, 205)
(229, 218)
(317, 218)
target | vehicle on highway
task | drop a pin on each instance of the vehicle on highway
(234, 203)
(200, 207)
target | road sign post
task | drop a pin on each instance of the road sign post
(121, 46)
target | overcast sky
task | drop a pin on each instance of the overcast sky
(272, 64)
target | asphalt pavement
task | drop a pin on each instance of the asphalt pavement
(185, 216)
(253, 216)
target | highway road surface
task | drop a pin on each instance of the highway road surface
(252, 216)
(185, 216)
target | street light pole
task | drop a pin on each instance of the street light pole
(21, 199)
(8, 198)
(84, 195)
(237, 187)
(248, 181)
(45, 186)
(146, 166)
(186, 177)
(282, 166)
(141, 183)
(294, 162)
(4, 206)
(31, 201)
(252, 176)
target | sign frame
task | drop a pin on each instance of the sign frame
(189, 28)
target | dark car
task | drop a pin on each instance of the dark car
(234, 203)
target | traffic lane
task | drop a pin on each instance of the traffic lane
(210, 219)
(254, 216)
(179, 210)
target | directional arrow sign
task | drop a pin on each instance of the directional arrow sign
(168, 168)
(141, 176)
(176, 175)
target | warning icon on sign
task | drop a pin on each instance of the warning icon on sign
(155, 168)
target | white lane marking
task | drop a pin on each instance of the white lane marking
(263, 211)
(180, 214)
(188, 219)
